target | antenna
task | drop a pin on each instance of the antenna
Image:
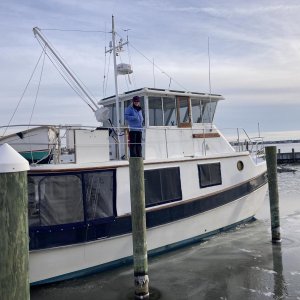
(208, 52)
(209, 80)
(153, 73)
(126, 30)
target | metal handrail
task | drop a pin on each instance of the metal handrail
(255, 145)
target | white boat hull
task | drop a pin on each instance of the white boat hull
(74, 260)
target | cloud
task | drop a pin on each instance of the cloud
(254, 50)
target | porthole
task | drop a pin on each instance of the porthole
(240, 165)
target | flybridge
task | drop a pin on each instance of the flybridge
(177, 123)
(163, 107)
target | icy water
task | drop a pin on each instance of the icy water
(239, 264)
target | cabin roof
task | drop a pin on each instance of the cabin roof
(160, 92)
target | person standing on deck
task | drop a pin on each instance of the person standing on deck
(134, 117)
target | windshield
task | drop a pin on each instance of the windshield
(203, 111)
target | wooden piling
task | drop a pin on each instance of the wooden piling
(293, 155)
(14, 278)
(138, 217)
(271, 158)
(280, 285)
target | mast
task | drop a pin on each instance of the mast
(115, 49)
(116, 84)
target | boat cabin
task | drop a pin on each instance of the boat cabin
(177, 123)
(166, 107)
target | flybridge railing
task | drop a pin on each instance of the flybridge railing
(241, 141)
(158, 142)
(61, 143)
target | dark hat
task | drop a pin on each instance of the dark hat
(136, 99)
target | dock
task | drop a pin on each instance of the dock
(287, 158)
(288, 151)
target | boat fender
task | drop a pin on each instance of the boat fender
(102, 114)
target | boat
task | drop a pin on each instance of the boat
(196, 185)
(35, 144)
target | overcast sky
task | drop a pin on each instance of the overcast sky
(254, 49)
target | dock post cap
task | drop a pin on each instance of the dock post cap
(11, 161)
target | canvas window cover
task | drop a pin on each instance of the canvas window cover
(210, 174)
(99, 194)
(162, 186)
(33, 200)
(60, 200)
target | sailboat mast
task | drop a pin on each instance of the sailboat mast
(116, 82)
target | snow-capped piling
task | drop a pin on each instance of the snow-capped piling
(14, 278)
(271, 157)
(138, 217)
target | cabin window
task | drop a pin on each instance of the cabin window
(196, 110)
(209, 111)
(162, 111)
(60, 200)
(113, 113)
(183, 112)
(209, 174)
(155, 111)
(169, 108)
(99, 194)
(203, 111)
(162, 186)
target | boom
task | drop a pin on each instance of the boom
(68, 72)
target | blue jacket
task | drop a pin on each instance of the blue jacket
(134, 118)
